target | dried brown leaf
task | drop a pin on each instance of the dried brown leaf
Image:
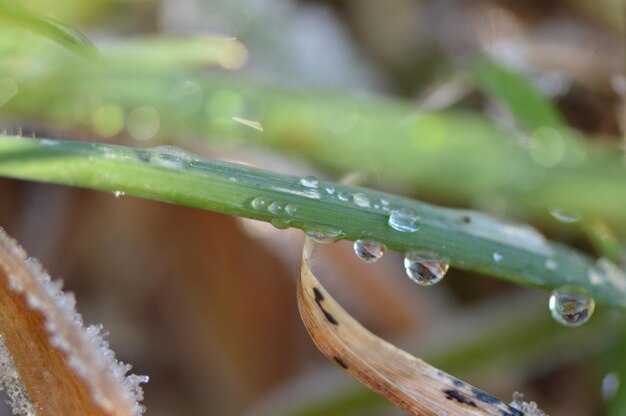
(408, 382)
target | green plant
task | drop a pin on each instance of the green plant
(540, 166)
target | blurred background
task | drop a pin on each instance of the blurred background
(205, 303)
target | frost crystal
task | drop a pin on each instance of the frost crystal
(19, 400)
(86, 350)
(529, 409)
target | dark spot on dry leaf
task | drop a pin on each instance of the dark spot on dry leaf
(341, 362)
(512, 412)
(459, 397)
(485, 397)
(318, 299)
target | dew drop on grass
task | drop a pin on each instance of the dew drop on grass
(330, 190)
(369, 251)
(404, 219)
(276, 207)
(118, 194)
(259, 203)
(309, 182)
(497, 257)
(425, 268)
(571, 305)
(345, 196)
(291, 209)
(361, 200)
(326, 235)
(171, 157)
(551, 264)
(566, 215)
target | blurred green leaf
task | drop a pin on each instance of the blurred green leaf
(528, 105)
(60, 33)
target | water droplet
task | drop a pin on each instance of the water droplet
(425, 268)
(276, 207)
(571, 306)
(384, 202)
(118, 194)
(309, 182)
(369, 251)
(404, 219)
(344, 196)
(330, 190)
(325, 235)
(596, 277)
(610, 384)
(551, 264)
(259, 203)
(291, 209)
(497, 257)
(312, 193)
(279, 223)
(565, 215)
(361, 200)
(171, 157)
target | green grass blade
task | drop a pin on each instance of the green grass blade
(469, 239)
(58, 32)
(528, 105)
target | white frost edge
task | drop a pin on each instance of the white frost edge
(527, 408)
(88, 353)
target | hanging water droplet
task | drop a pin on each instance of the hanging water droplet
(279, 223)
(330, 190)
(361, 200)
(497, 257)
(325, 235)
(259, 203)
(344, 196)
(571, 306)
(368, 250)
(309, 182)
(291, 209)
(566, 215)
(118, 194)
(551, 264)
(276, 207)
(404, 219)
(425, 268)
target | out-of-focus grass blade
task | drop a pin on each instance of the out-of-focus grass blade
(60, 33)
(528, 105)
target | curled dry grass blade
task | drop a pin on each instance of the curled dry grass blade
(469, 239)
(65, 369)
(409, 382)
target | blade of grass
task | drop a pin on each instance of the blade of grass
(528, 105)
(455, 154)
(58, 32)
(469, 239)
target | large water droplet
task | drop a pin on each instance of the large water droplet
(566, 215)
(309, 182)
(425, 268)
(325, 235)
(404, 219)
(369, 251)
(571, 306)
